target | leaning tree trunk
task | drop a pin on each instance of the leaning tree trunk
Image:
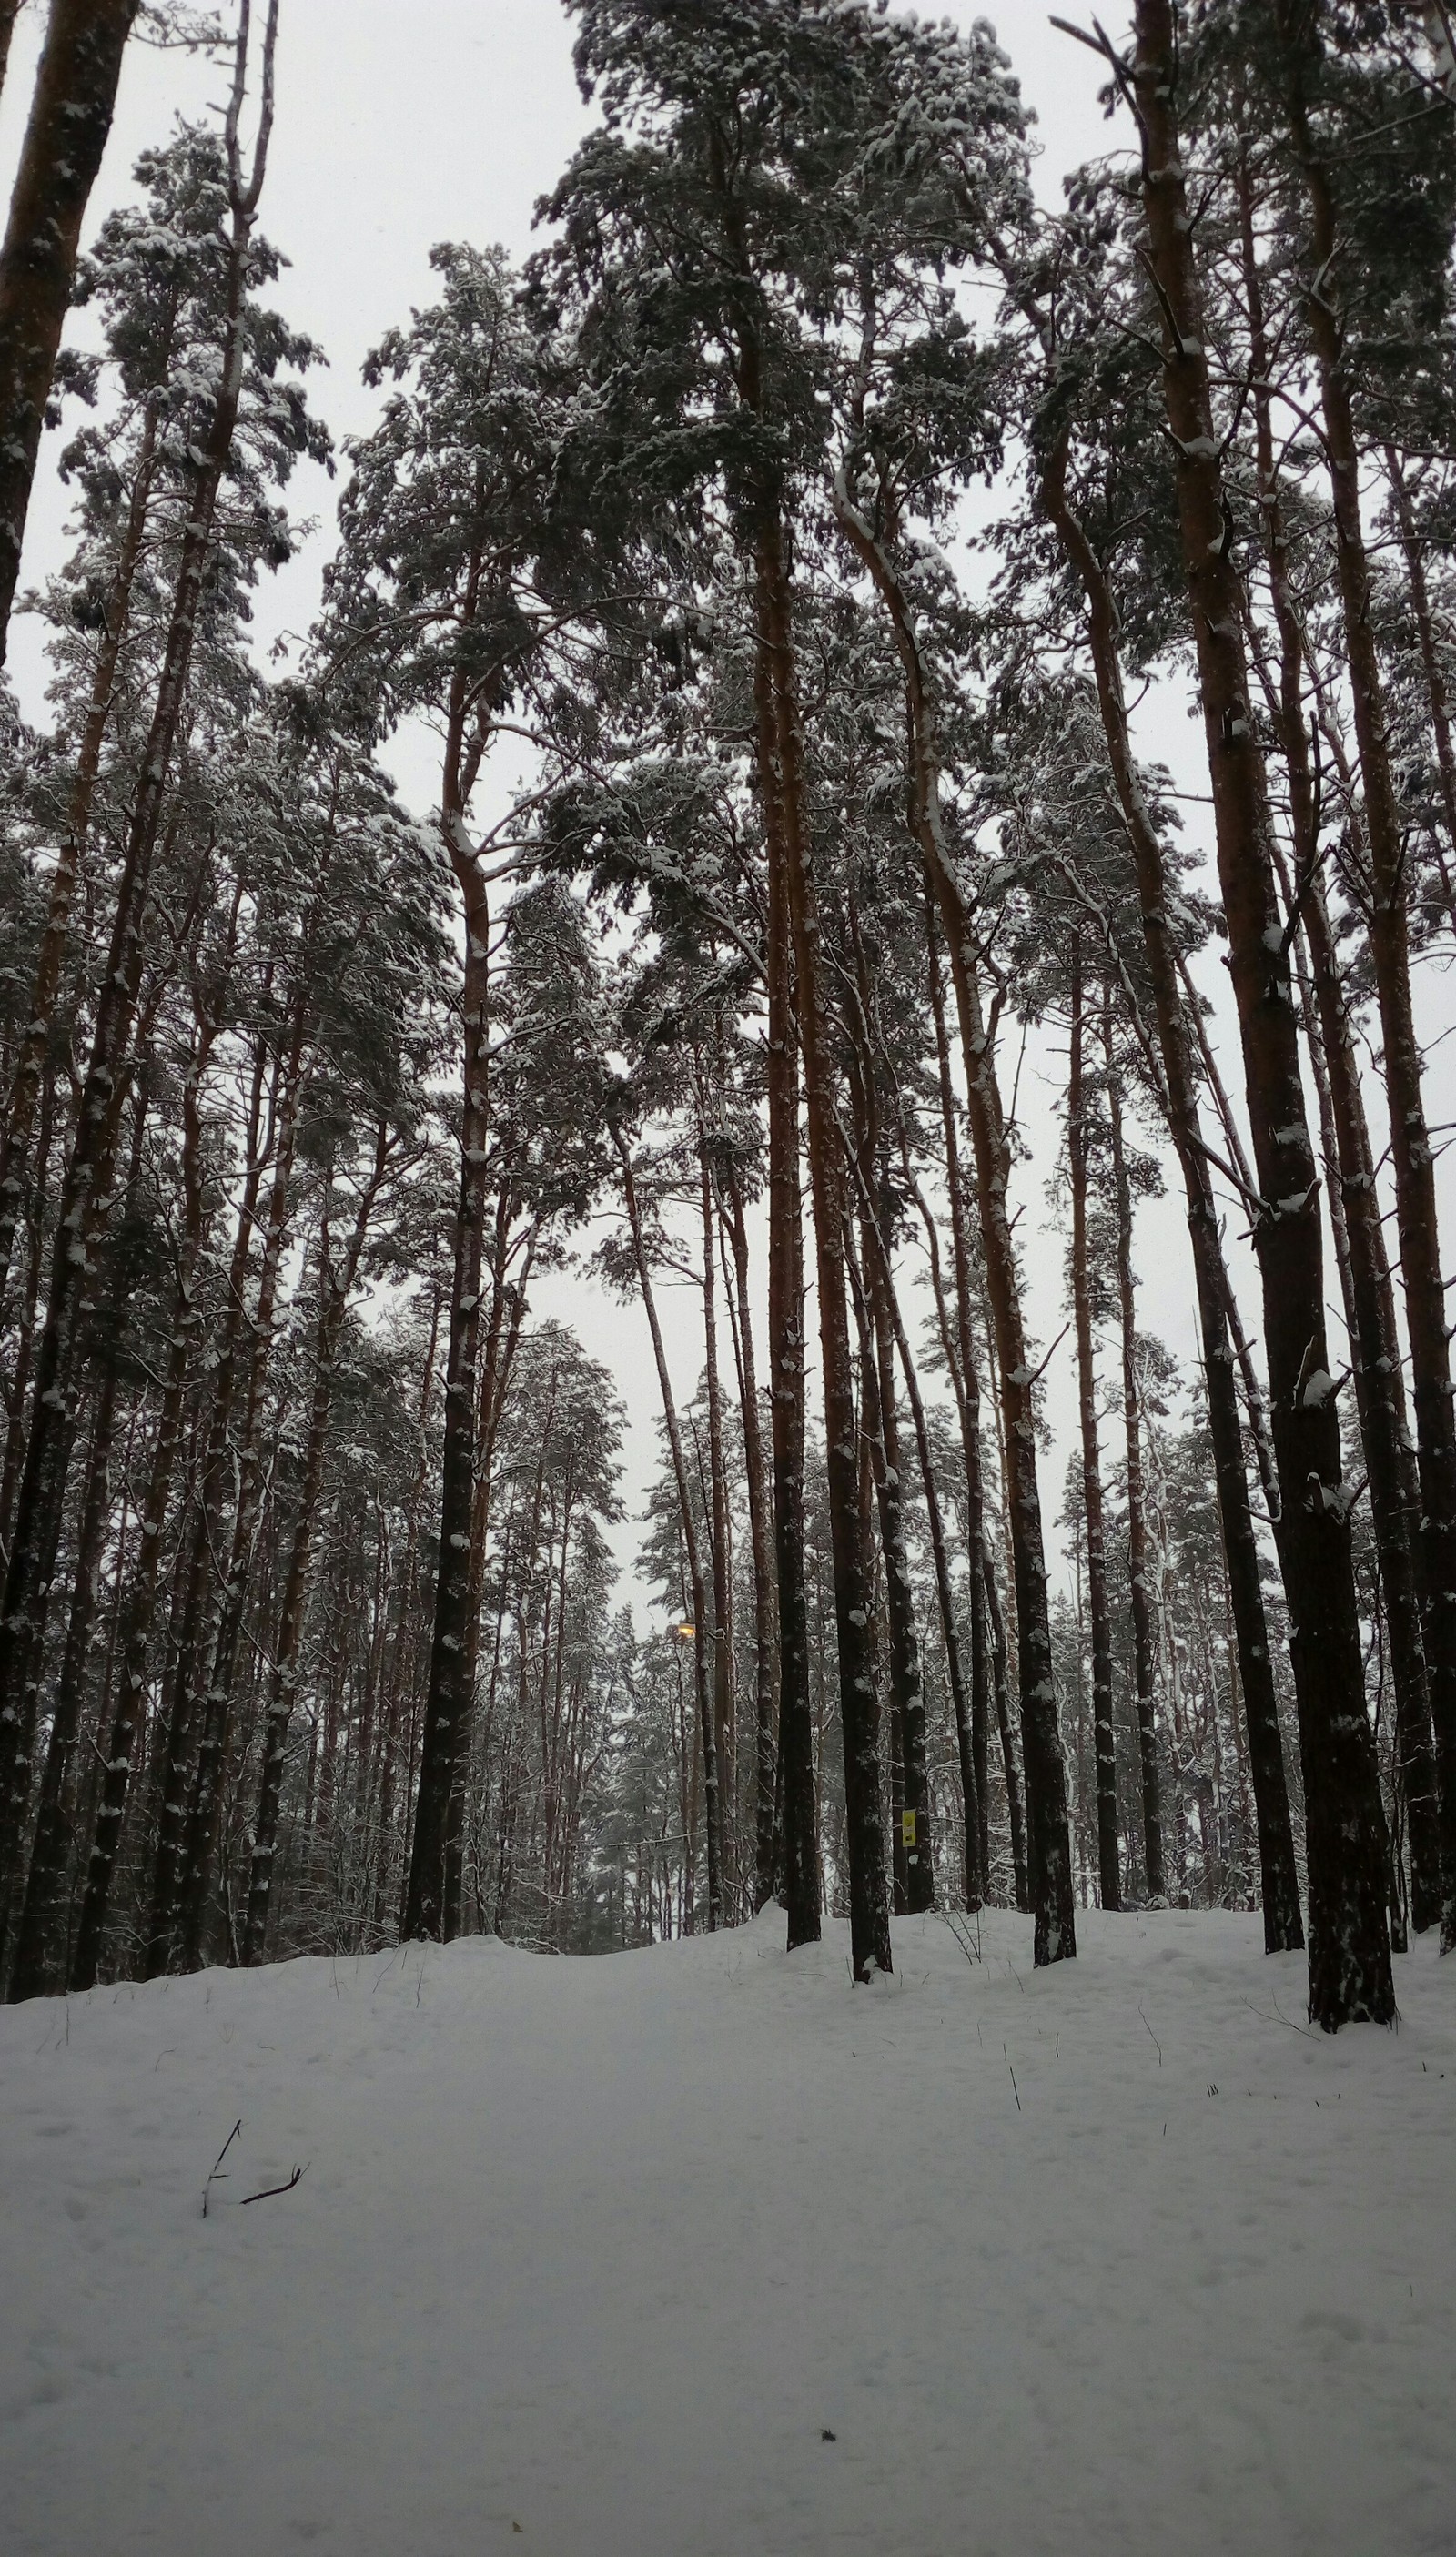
(1350, 1975)
(69, 120)
(1283, 1926)
(1050, 1859)
(1381, 1397)
(1413, 1154)
(1364, 1263)
(1104, 1736)
(869, 1944)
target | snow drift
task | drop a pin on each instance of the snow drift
(702, 2251)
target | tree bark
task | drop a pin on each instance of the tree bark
(798, 1810)
(760, 1529)
(88, 1174)
(17, 1405)
(1279, 1882)
(1053, 1898)
(691, 1545)
(25, 1081)
(45, 1924)
(175, 1758)
(892, 1323)
(1049, 1857)
(1435, 682)
(334, 1288)
(9, 12)
(429, 1905)
(1104, 1736)
(139, 1612)
(219, 1655)
(69, 120)
(1349, 1976)
(401, 1667)
(911, 1844)
(1355, 1208)
(869, 1947)
(723, 1662)
(964, 1366)
(1413, 1156)
(1145, 1649)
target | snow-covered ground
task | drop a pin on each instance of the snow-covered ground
(703, 2253)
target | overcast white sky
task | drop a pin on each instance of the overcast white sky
(403, 122)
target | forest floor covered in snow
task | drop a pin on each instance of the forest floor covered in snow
(700, 2251)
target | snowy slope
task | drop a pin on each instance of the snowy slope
(590, 2257)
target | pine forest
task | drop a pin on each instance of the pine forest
(722, 1203)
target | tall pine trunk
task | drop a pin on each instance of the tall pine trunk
(891, 1326)
(17, 1409)
(722, 1661)
(1099, 1610)
(692, 1547)
(988, 1644)
(1350, 1976)
(797, 1819)
(1413, 1156)
(218, 1663)
(1050, 1852)
(42, 1938)
(87, 1185)
(1349, 1166)
(1283, 1929)
(140, 1606)
(196, 1567)
(334, 1285)
(869, 1947)
(1144, 1646)
(430, 1908)
(760, 1530)
(911, 1841)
